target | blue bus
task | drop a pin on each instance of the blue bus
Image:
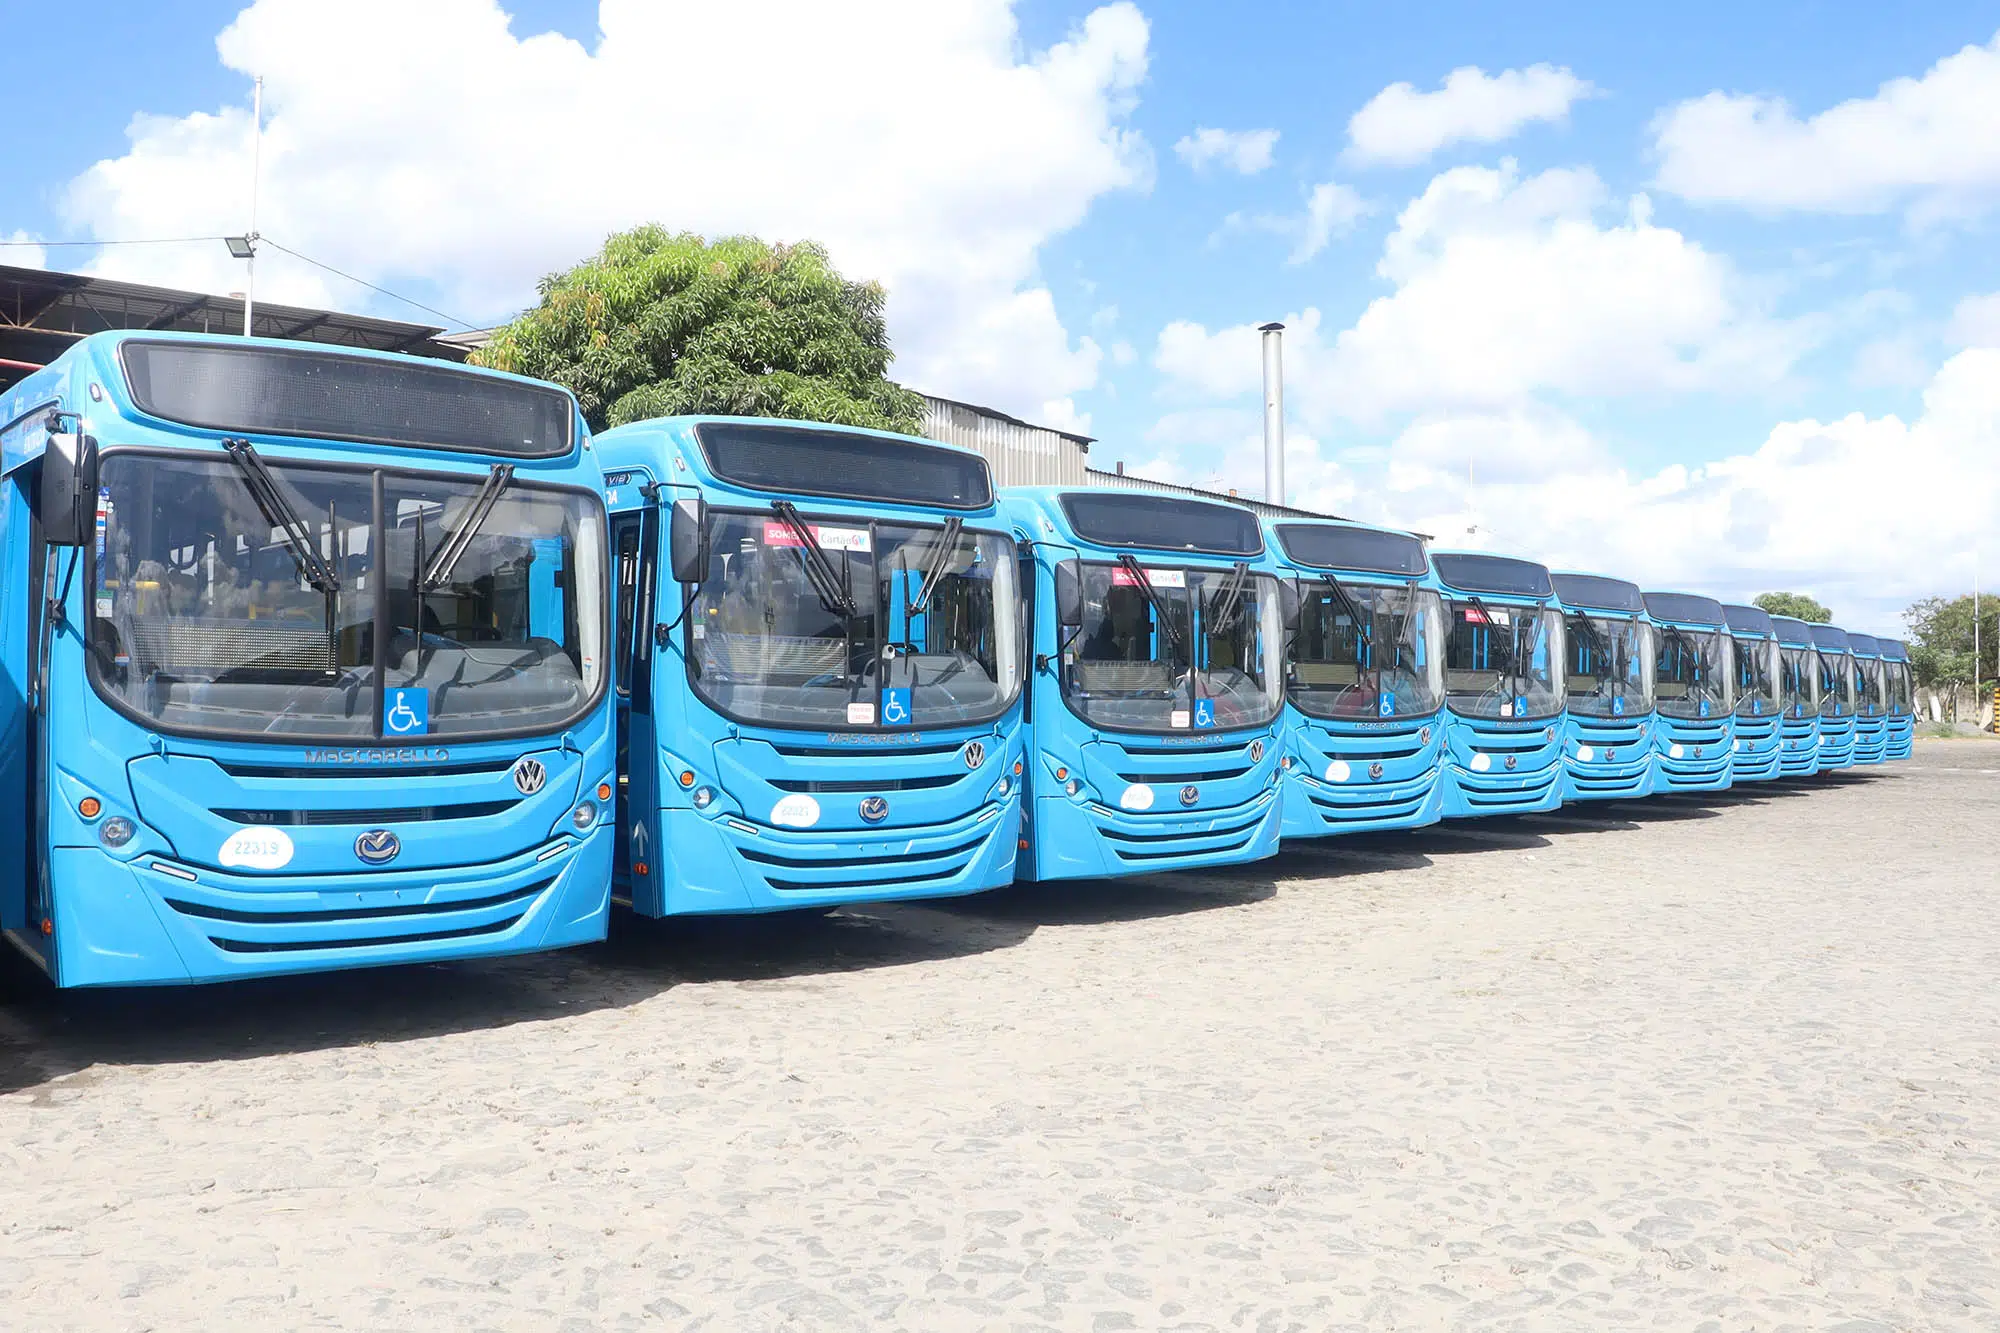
(1799, 685)
(306, 663)
(1503, 685)
(1836, 698)
(1871, 700)
(1156, 687)
(1608, 688)
(1695, 680)
(1902, 729)
(1364, 688)
(820, 641)
(1757, 750)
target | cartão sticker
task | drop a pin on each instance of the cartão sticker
(1121, 577)
(257, 849)
(1178, 718)
(795, 811)
(861, 715)
(830, 539)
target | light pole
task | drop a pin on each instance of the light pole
(245, 247)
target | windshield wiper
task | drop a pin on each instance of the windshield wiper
(934, 575)
(1166, 622)
(278, 512)
(453, 548)
(1227, 604)
(829, 586)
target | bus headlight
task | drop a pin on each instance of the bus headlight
(703, 798)
(584, 815)
(116, 831)
(1003, 788)
(1070, 788)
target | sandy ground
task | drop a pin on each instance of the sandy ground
(1717, 1065)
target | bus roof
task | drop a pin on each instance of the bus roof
(1864, 645)
(1830, 637)
(1598, 593)
(1149, 520)
(1792, 631)
(1895, 650)
(1685, 608)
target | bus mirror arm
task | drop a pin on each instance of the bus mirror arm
(69, 487)
(687, 540)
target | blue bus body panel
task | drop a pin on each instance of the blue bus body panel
(1899, 739)
(1204, 798)
(951, 826)
(1694, 754)
(1498, 767)
(1836, 743)
(1606, 758)
(1799, 739)
(1757, 749)
(483, 869)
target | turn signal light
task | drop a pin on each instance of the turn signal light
(687, 777)
(1017, 768)
(1061, 773)
(603, 791)
(90, 807)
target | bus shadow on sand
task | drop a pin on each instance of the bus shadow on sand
(47, 1034)
(1089, 902)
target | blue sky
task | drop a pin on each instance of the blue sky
(1727, 343)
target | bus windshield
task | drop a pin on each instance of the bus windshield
(1388, 665)
(1896, 687)
(1869, 689)
(1610, 665)
(212, 613)
(1185, 648)
(1695, 675)
(1756, 675)
(1836, 683)
(896, 629)
(1798, 680)
(1501, 661)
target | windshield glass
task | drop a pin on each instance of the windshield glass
(203, 617)
(1501, 661)
(766, 646)
(1695, 672)
(1896, 685)
(1756, 675)
(1388, 665)
(1798, 680)
(1836, 683)
(1610, 665)
(1206, 665)
(1869, 690)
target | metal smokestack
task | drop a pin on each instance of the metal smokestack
(1274, 412)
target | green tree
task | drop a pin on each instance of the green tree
(1941, 640)
(661, 323)
(1794, 604)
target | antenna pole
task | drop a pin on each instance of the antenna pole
(256, 169)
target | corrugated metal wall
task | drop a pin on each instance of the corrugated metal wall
(1128, 482)
(1019, 454)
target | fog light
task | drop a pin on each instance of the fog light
(90, 807)
(702, 797)
(584, 815)
(117, 831)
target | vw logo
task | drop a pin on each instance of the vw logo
(1190, 794)
(1425, 735)
(1548, 733)
(874, 809)
(1512, 760)
(1697, 752)
(1256, 752)
(974, 753)
(1374, 770)
(1610, 755)
(529, 775)
(378, 846)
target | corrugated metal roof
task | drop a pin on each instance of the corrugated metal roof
(1130, 482)
(43, 312)
(1019, 452)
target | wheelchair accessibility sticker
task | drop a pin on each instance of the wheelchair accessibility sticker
(1204, 712)
(1386, 706)
(896, 706)
(407, 713)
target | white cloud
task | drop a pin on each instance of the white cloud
(1123, 353)
(1233, 464)
(1505, 288)
(22, 252)
(1897, 361)
(1331, 210)
(1812, 508)
(531, 149)
(1401, 126)
(1246, 152)
(1930, 142)
(1976, 321)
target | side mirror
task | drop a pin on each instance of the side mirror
(1069, 594)
(687, 540)
(69, 489)
(1289, 603)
